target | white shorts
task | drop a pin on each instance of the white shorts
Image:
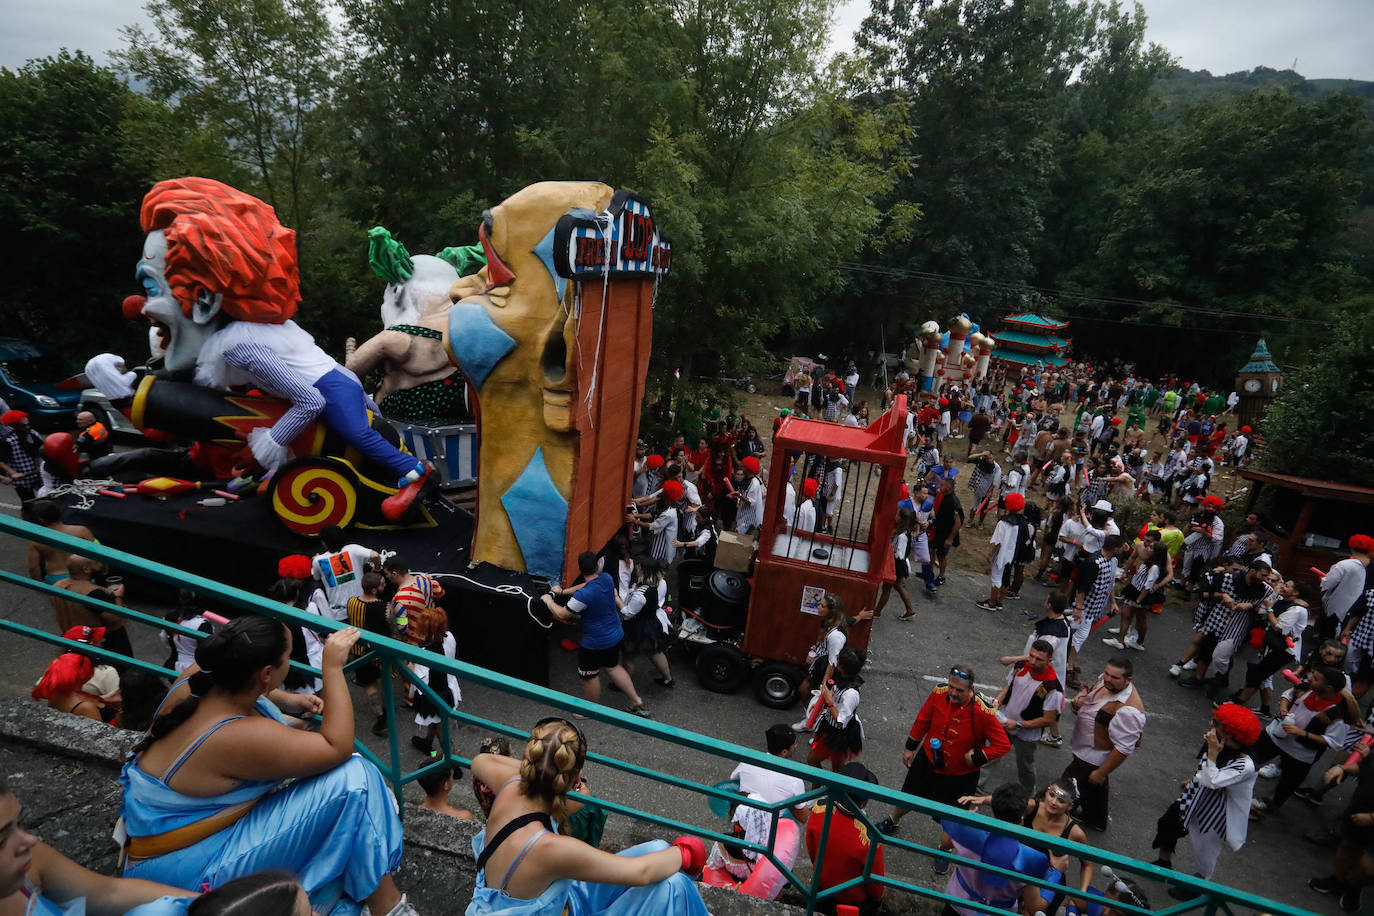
(998, 570)
(1081, 632)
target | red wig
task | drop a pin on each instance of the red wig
(1238, 722)
(225, 241)
(65, 674)
(295, 566)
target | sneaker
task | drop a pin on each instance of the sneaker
(1269, 771)
(1307, 795)
(1052, 741)
(1015, 597)
(1134, 643)
(403, 908)
(1328, 885)
(1350, 899)
(379, 726)
(1115, 631)
(987, 607)
(641, 710)
(422, 744)
(940, 866)
(1190, 665)
(887, 826)
(931, 591)
(1114, 643)
(1258, 805)
(1191, 683)
(939, 580)
(800, 726)
(1175, 669)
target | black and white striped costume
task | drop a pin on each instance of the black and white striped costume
(1228, 626)
(1097, 596)
(1095, 490)
(1213, 809)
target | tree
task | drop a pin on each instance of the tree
(1322, 423)
(70, 189)
(258, 74)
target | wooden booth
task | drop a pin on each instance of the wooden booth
(795, 570)
(1310, 520)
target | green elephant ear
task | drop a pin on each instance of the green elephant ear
(388, 257)
(467, 259)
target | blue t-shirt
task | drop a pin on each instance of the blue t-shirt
(600, 619)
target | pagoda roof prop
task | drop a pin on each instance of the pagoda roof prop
(1029, 359)
(1035, 323)
(1032, 343)
(1261, 360)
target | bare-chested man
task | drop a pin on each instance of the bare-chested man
(75, 614)
(50, 563)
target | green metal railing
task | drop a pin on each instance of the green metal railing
(830, 788)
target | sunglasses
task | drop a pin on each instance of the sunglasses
(961, 674)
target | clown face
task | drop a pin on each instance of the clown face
(424, 294)
(179, 335)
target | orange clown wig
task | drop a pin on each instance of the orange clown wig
(220, 240)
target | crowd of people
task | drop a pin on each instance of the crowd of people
(228, 785)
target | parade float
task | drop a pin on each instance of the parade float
(272, 440)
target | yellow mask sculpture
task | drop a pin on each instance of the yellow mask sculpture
(516, 331)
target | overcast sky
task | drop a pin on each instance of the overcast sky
(1328, 38)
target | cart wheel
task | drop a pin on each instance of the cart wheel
(751, 388)
(722, 668)
(776, 683)
(312, 493)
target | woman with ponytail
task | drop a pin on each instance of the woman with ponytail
(204, 800)
(542, 872)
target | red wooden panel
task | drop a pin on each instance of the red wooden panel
(777, 628)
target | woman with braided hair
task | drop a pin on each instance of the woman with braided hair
(543, 872)
(204, 800)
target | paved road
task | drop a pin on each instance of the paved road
(908, 659)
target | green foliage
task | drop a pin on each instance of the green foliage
(69, 189)
(1322, 424)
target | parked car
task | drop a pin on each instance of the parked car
(33, 382)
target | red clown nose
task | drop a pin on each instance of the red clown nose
(133, 306)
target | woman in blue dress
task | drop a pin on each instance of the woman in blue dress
(204, 796)
(37, 880)
(525, 868)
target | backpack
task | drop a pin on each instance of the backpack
(1025, 543)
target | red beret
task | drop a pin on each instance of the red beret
(1245, 429)
(296, 566)
(1362, 542)
(672, 489)
(944, 402)
(1238, 722)
(11, 417)
(92, 635)
(751, 464)
(1116, 421)
(1016, 502)
(809, 487)
(1215, 502)
(654, 461)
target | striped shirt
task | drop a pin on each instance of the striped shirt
(1203, 803)
(1227, 623)
(664, 530)
(1363, 637)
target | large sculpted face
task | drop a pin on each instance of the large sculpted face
(179, 335)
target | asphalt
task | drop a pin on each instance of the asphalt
(906, 661)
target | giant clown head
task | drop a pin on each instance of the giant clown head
(212, 255)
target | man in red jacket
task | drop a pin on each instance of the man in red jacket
(968, 735)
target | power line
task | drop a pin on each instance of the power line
(1002, 286)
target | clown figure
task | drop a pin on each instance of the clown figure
(221, 285)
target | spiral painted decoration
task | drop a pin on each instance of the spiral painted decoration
(311, 495)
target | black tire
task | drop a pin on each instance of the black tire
(751, 388)
(776, 684)
(722, 668)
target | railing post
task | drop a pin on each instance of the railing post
(394, 772)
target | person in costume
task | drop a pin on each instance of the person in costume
(1215, 805)
(414, 591)
(429, 631)
(203, 800)
(220, 281)
(967, 882)
(37, 880)
(543, 873)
